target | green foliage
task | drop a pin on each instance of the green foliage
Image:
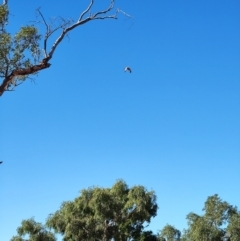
(5, 48)
(17, 51)
(148, 236)
(27, 39)
(233, 228)
(116, 213)
(211, 226)
(217, 212)
(169, 233)
(3, 16)
(33, 231)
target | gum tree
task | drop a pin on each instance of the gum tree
(169, 233)
(119, 213)
(219, 222)
(27, 52)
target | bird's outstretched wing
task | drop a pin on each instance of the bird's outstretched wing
(128, 69)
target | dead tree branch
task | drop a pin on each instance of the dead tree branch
(81, 21)
(87, 10)
(14, 76)
(50, 29)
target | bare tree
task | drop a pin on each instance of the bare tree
(14, 66)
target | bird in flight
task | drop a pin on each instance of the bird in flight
(128, 69)
(1, 162)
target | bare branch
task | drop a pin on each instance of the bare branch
(88, 8)
(105, 11)
(46, 35)
(105, 17)
(124, 13)
(82, 21)
(50, 29)
(38, 10)
(15, 75)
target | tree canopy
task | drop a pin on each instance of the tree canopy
(122, 213)
(169, 233)
(215, 223)
(33, 231)
(117, 213)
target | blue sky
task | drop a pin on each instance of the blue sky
(171, 126)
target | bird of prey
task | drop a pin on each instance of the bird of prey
(128, 69)
(1, 162)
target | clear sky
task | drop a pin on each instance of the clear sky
(173, 125)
